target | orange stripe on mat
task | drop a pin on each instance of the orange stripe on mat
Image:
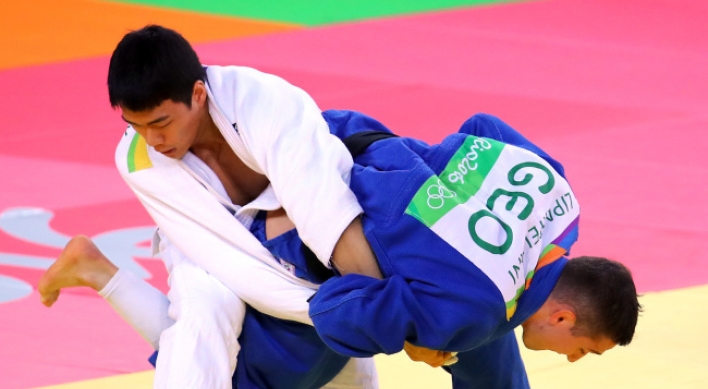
(43, 31)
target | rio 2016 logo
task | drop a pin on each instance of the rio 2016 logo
(437, 195)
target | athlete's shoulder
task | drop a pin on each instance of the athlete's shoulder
(227, 78)
(490, 126)
(241, 92)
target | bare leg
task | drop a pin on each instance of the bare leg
(80, 264)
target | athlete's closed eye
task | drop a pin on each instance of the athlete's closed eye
(164, 125)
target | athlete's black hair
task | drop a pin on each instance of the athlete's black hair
(152, 65)
(603, 295)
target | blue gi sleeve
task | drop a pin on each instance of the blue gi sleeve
(360, 316)
(376, 314)
(496, 364)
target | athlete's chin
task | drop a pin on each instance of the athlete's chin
(534, 348)
(529, 342)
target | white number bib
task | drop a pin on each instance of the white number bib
(502, 207)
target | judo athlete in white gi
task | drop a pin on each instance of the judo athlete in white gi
(190, 127)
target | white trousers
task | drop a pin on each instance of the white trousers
(197, 325)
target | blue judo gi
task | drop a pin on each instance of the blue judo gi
(432, 296)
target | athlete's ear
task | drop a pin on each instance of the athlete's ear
(563, 318)
(199, 93)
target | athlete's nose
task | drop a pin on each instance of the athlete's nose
(153, 138)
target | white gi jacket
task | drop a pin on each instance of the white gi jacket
(277, 130)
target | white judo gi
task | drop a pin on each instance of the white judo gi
(266, 121)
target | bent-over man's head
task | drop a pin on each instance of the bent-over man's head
(593, 307)
(157, 80)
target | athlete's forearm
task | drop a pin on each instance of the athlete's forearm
(353, 254)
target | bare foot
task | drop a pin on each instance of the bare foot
(81, 263)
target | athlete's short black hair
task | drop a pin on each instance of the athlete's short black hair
(603, 295)
(152, 65)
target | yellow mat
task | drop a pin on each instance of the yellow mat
(667, 352)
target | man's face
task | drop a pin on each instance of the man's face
(169, 128)
(559, 338)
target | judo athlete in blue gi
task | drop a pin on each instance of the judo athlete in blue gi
(470, 235)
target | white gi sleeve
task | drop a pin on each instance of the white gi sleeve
(308, 167)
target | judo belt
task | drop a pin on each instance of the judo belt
(356, 144)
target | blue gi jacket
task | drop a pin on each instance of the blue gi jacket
(431, 296)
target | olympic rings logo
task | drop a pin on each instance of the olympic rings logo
(437, 195)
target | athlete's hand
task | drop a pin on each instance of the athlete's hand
(433, 358)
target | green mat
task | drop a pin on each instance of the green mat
(312, 12)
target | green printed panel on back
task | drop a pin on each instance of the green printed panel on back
(460, 180)
(313, 12)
